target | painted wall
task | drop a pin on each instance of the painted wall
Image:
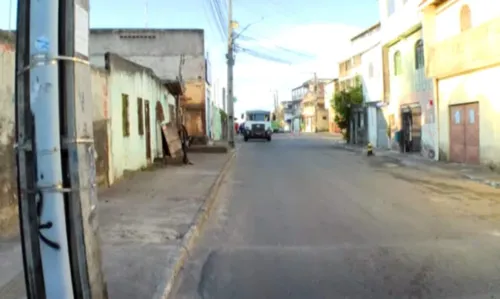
(473, 87)
(216, 123)
(194, 105)
(448, 16)
(371, 74)
(403, 17)
(8, 177)
(135, 81)
(412, 86)
(101, 123)
(473, 49)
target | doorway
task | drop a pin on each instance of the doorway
(148, 131)
(464, 133)
(411, 129)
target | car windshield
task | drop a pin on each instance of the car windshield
(258, 117)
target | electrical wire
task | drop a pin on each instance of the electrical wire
(284, 49)
(210, 19)
(218, 16)
(261, 55)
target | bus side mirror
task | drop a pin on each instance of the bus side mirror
(242, 116)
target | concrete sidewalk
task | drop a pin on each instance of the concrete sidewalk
(147, 221)
(477, 173)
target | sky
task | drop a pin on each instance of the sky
(319, 30)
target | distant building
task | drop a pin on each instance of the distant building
(175, 55)
(364, 67)
(311, 97)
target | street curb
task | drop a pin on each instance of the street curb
(189, 239)
(479, 180)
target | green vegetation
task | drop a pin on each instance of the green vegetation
(223, 116)
(275, 125)
(342, 103)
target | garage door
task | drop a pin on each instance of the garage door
(464, 133)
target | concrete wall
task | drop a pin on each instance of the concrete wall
(473, 87)
(135, 81)
(8, 176)
(101, 123)
(158, 49)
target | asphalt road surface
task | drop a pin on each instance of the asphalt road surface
(298, 218)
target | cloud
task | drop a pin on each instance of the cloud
(255, 77)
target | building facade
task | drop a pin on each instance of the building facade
(139, 105)
(367, 61)
(408, 106)
(311, 96)
(461, 46)
(291, 115)
(173, 55)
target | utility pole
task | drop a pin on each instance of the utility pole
(39, 141)
(55, 152)
(230, 65)
(79, 152)
(26, 159)
(315, 102)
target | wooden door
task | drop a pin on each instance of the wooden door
(457, 134)
(471, 120)
(148, 130)
(464, 133)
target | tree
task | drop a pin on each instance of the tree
(342, 103)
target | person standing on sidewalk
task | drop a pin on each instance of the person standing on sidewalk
(184, 136)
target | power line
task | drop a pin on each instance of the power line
(211, 19)
(217, 17)
(261, 55)
(284, 49)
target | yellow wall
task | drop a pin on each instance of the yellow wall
(469, 88)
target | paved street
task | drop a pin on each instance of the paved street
(299, 218)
